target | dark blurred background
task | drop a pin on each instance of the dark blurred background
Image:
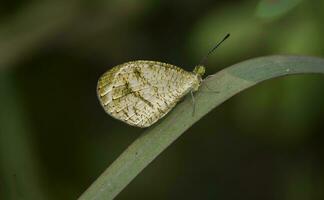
(55, 139)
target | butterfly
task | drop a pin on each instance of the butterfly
(141, 92)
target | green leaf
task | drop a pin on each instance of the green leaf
(154, 140)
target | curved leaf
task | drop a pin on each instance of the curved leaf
(154, 140)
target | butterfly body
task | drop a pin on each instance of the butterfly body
(141, 92)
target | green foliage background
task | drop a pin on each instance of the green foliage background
(55, 139)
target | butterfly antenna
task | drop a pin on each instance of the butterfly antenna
(213, 49)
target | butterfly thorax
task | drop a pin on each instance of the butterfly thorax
(199, 71)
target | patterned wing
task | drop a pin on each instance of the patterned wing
(141, 92)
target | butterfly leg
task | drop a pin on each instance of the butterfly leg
(209, 76)
(193, 103)
(209, 89)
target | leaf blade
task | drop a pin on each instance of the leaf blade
(154, 140)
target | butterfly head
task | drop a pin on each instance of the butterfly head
(199, 70)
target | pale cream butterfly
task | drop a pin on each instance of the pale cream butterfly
(140, 93)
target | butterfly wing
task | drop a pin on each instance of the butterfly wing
(141, 92)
